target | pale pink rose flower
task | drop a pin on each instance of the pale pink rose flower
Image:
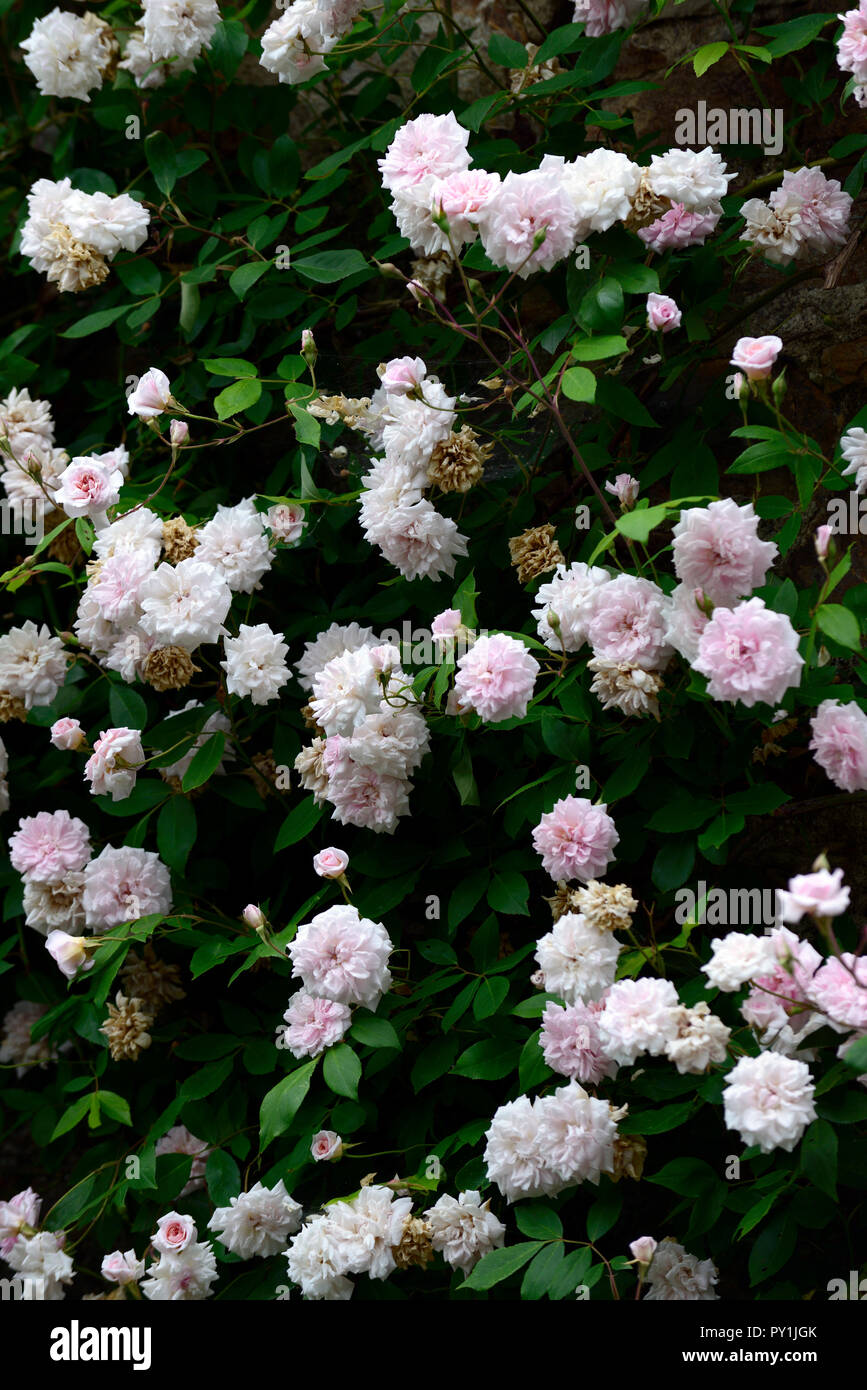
(179, 432)
(627, 623)
(642, 1249)
(839, 989)
(530, 223)
(425, 148)
(570, 1042)
(122, 1267)
(461, 198)
(88, 488)
(678, 228)
(822, 205)
(576, 839)
(174, 1233)
(625, 489)
(821, 540)
(756, 356)
(20, 1211)
(821, 894)
(326, 1145)
(446, 624)
(253, 916)
(313, 1024)
(749, 654)
(605, 16)
(401, 375)
(717, 549)
(496, 678)
(663, 315)
(286, 521)
(112, 767)
(67, 734)
(69, 952)
(839, 743)
(152, 396)
(331, 862)
(48, 846)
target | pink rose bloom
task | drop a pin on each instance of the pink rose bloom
(331, 862)
(425, 148)
(840, 743)
(677, 229)
(313, 1024)
(461, 198)
(627, 623)
(111, 769)
(822, 206)
(717, 549)
(179, 432)
(576, 839)
(445, 625)
(326, 1145)
(570, 1042)
(749, 654)
(48, 846)
(663, 315)
(152, 396)
(342, 956)
(179, 1140)
(821, 894)
(496, 678)
(756, 356)
(839, 989)
(69, 952)
(174, 1233)
(642, 1249)
(122, 1267)
(369, 799)
(821, 540)
(402, 375)
(20, 1211)
(625, 489)
(287, 521)
(88, 488)
(604, 16)
(686, 621)
(115, 589)
(67, 734)
(530, 223)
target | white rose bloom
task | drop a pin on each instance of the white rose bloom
(257, 1222)
(639, 1016)
(32, 664)
(701, 1039)
(234, 542)
(346, 690)
(139, 532)
(421, 542)
(414, 427)
(464, 1229)
(69, 54)
(179, 28)
(185, 604)
(291, 49)
(25, 422)
(55, 906)
(106, 224)
(317, 1262)
(696, 178)
(255, 663)
(768, 1100)
(578, 962)
(738, 958)
(42, 1258)
(367, 1229)
(675, 1276)
(577, 1133)
(853, 447)
(332, 642)
(185, 1276)
(601, 185)
(392, 742)
(569, 597)
(514, 1157)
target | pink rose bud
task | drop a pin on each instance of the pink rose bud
(122, 1267)
(253, 916)
(19, 1212)
(179, 432)
(326, 1145)
(418, 291)
(152, 396)
(642, 1249)
(625, 489)
(663, 315)
(822, 540)
(174, 1233)
(331, 863)
(69, 952)
(756, 356)
(287, 521)
(67, 734)
(741, 385)
(402, 375)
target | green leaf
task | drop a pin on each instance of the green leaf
(341, 1070)
(223, 1178)
(486, 1061)
(614, 396)
(538, 1221)
(579, 384)
(326, 267)
(190, 300)
(207, 1079)
(683, 813)
(489, 996)
(245, 277)
(543, 1272)
(594, 349)
(773, 1248)
(507, 52)
(162, 161)
(673, 865)
(840, 624)
(795, 34)
(126, 707)
(307, 429)
(176, 832)
(94, 322)
(819, 1157)
(228, 46)
(299, 823)
(465, 896)
(229, 366)
(707, 55)
(241, 395)
(637, 525)
(375, 1032)
(71, 1117)
(508, 893)
(278, 1108)
(500, 1264)
(856, 1056)
(603, 1213)
(205, 762)
(115, 1107)
(601, 308)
